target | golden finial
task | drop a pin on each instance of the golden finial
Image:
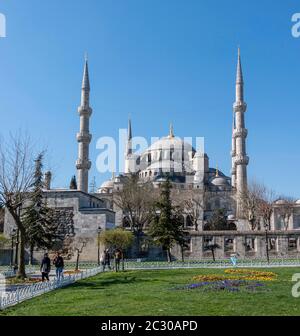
(217, 171)
(171, 135)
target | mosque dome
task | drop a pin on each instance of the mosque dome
(107, 184)
(169, 153)
(298, 201)
(280, 202)
(219, 181)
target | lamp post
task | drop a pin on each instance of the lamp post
(98, 238)
(267, 243)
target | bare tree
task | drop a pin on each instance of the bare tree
(285, 209)
(192, 204)
(16, 178)
(136, 200)
(250, 204)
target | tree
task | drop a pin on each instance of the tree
(218, 222)
(136, 200)
(16, 178)
(192, 204)
(250, 204)
(73, 183)
(117, 239)
(166, 228)
(37, 217)
(285, 210)
(212, 247)
(266, 208)
(3, 241)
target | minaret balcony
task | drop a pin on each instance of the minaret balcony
(84, 137)
(83, 164)
(240, 133)
(239, 106)
(233, 153)
(85, 111)
(241, 160)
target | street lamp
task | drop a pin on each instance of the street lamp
(99, 232)
(267, 242)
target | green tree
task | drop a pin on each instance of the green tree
(117, 239)
(37, 217)
(3, 241)
(166, 228)
(73, 183)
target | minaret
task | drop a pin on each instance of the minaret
(233, 154)
(128, 153)
(241, 160)
(83, 164)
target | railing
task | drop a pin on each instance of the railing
(27, 292)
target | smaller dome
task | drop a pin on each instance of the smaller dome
(280, 202)
(298, 201)
(219, 181)
(107, 184)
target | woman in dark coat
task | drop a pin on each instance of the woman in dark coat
(45, 267)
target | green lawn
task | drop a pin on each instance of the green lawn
(149, 293)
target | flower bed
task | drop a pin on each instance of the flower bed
(72, 272)
(238, 274)
(226, 286)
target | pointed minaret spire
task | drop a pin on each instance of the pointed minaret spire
(239, 79)
(171, 133)
(129, 129)
(83, 164)
(129, 138)
(240, 159)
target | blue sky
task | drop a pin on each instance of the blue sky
(159, 61)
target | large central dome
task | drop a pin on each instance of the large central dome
(168, 154)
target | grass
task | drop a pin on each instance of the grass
(149, 293)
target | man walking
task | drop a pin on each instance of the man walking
(45, 267)
(58, 262)
(118, 256)
(106, 260)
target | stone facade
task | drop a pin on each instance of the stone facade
(79, 216)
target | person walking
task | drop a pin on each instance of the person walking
(106, 259)
(45, 267)
(118, 256)
(58, 262)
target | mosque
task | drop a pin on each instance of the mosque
(189, 172)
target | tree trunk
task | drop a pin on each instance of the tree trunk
(123, 262)
(31, 255)
(21, 274)
(182, 253)
(169, 255)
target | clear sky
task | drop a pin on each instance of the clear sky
(159, 61)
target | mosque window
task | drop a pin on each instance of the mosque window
(292, 244)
